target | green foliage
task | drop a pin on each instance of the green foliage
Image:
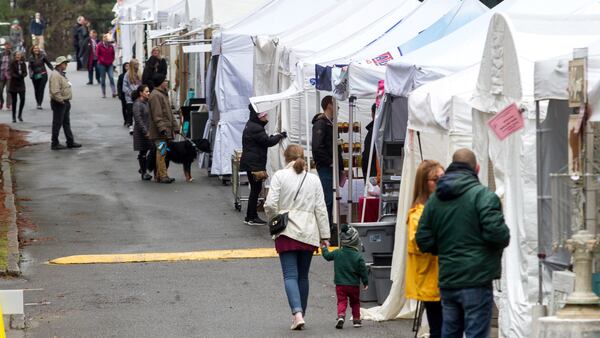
(61, 16)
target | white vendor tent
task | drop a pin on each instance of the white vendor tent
(552, 77)
(420, 72)
(441, 108)
(233, 83)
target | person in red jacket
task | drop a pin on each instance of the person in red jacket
(106, 57)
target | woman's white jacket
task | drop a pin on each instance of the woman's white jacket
(307, 217)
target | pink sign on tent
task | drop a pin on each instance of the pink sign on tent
(380, 92)
(507, 122)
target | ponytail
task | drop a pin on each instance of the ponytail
(299, 165)
(295, 153)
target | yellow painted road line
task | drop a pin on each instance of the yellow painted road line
(209, 255)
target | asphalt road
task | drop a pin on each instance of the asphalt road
(91, 201)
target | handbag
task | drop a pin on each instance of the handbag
(260, 176)
(279, 222)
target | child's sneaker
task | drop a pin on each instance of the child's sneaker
(340, 323)
(357, 323)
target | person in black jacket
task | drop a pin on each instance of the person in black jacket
(255, 143)
(322, 151)
(155, 64)
(18, 73)
(121, 94)
(367, 148)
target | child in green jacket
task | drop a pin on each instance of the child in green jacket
(350, 268)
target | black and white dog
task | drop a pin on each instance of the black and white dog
(184, 153)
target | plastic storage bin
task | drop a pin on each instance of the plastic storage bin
(369, 295)
(383, 284)
(376, 237)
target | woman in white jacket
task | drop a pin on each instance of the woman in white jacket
(307, 226)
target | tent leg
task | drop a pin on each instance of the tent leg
(307, 123)
(336, 171)
(541, 254)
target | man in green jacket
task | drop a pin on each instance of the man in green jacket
(464, 226)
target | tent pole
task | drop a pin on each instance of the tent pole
(335, 174)
(307, 123)
(538, 148)
(371, 154)
(351, 106)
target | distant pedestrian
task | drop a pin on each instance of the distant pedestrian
(18, 73)
(39, 73)
(16, 36)
(131, 82)
(78, 41)
(255, 144)
(422, 268)
(5, 60)
(141, 133)
(463, 225)
(154, 65)
(60, 101)
(299, 193)
(120, 92)
(36, 29)
(162, 127)
(89, 56)
(350, 270)
(106, 57)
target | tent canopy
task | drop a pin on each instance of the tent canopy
(552, 77)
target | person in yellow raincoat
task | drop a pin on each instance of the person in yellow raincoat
(422, 268)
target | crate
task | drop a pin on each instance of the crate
(376, 237)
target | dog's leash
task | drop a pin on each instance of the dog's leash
(190, 141)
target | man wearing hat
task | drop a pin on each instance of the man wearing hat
(60, 102)
(163, 125)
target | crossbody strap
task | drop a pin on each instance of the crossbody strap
(301, 183)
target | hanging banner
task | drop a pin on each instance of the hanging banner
(507, 122)
(339, 81)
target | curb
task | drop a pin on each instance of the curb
(9, 203)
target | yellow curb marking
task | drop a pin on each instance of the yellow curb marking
(209, 255)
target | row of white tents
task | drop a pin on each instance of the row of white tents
(448, 67)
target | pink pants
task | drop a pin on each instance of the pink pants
(344, 292)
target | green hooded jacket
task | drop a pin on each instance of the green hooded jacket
(464, 226)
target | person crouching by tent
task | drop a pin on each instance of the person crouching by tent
(141, 136)
(255, 143)
(422, 268)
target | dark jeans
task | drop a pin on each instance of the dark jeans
(79, 65)
(295, 266)
(107, 71)
(39, 85)
(255, 189)
(434, 318)
(326, 177)
(128, 113)
(61, 117)
(91, 72)
(467, 310)
(13, 95)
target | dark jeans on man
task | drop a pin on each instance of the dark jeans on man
(39, 85)
(91, 70)
(326, 177)
(255, 189)
(13, 95)
(467, 310)
(434, 318)
(295, 266)
(61, 117)
(79, 65)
